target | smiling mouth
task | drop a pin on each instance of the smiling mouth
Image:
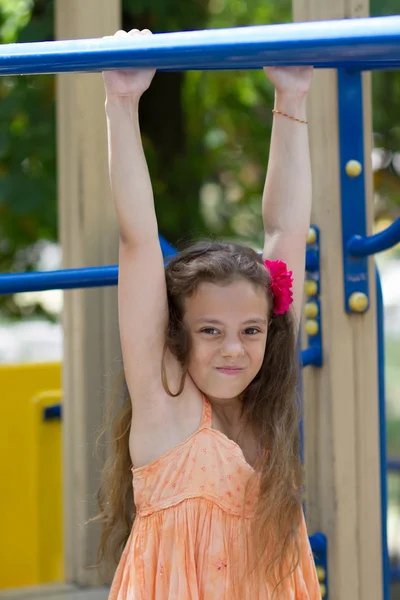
(229, 370)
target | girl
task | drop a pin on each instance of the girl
(211, 366)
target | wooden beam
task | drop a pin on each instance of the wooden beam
(89, 237)
(341, 398)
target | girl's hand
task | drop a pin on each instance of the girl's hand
(290, 80)
(131, 82)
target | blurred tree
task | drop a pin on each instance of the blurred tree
(207, 127)
(386, 119)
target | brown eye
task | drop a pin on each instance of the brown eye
(210, 331)
(251, 331)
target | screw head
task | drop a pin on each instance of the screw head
(312, 236)
(310, 287)
(311, 327)
(358, 302)
(311, 310)
(353, 168)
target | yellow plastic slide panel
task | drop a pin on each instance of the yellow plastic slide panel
(30, 475)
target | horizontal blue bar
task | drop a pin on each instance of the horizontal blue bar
(66, 279)
(367, 44)
(365, 246)
(88, 277)
(69, 279)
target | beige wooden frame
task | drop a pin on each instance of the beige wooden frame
(341, 399)
(89, 237)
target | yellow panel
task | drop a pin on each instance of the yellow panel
(19, 522)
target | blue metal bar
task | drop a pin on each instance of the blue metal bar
(382, 435)
(313, 354)
(63, 279)
(166, 248)
(365, 246)
(312, 261)
(88, 277)
(311, 357)
(352, 43)
(68, 279)
(319, 547)
(351, 147)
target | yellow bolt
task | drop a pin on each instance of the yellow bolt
(353, 168)
(311, 327)
(310, 287)
(321, 573)
(322, 588)
(358, 302)
(312, 236)
(311, 310)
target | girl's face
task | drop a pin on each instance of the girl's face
(228, 328)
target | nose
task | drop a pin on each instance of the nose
(232, 347)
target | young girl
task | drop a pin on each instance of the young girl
(211, 366)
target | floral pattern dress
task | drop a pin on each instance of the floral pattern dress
(185, 543)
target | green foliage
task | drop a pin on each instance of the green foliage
(28, 201)
(14, 15)
(225, 129)
(165, 15)
(386, 121)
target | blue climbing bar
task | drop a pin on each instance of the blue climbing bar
(362, 44)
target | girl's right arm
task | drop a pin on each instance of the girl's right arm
(142, 297)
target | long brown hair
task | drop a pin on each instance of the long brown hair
(269, 403)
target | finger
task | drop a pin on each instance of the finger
(120, 33)
(146, 32)
(134, 32)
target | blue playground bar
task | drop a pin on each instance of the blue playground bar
(362, 44)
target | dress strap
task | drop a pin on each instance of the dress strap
(206, 419)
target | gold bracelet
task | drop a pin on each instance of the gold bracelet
(278, 112)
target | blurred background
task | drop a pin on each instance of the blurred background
(206, 136)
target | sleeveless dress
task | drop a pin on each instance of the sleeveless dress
(184, 543)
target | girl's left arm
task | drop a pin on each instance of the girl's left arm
(286, 205)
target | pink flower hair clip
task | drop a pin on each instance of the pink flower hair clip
(281, 281)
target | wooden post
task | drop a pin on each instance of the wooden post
(341, 398)
(89, 237)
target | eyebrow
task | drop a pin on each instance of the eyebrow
(259, 320)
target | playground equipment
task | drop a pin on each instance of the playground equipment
(31, 499)
(350, 46)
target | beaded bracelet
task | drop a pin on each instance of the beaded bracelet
(278, 112)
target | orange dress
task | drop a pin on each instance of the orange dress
(184, 544)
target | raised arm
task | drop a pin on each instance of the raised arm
(287, 194)
(142, 297)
